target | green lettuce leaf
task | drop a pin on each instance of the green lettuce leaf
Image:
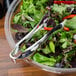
(44, 60)
(52, 46)
(46, 50)
(59, 8)
(71, 23)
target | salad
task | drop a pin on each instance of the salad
(60, 48)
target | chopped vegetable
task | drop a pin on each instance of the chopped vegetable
(71, 23)
(19, 35)
(65, 2)
(59, 8)
(44, 60)
(70, 16)
(74, 36)
(75, 41)
(66, 29)
(46, 50)
(48, 29)
(64, 45)
(23, 48)
(48, 8)
(52, 46)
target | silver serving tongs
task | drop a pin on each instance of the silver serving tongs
(29, 51)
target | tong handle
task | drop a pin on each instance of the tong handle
(33, 48)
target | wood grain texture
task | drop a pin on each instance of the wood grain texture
(8, 68)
